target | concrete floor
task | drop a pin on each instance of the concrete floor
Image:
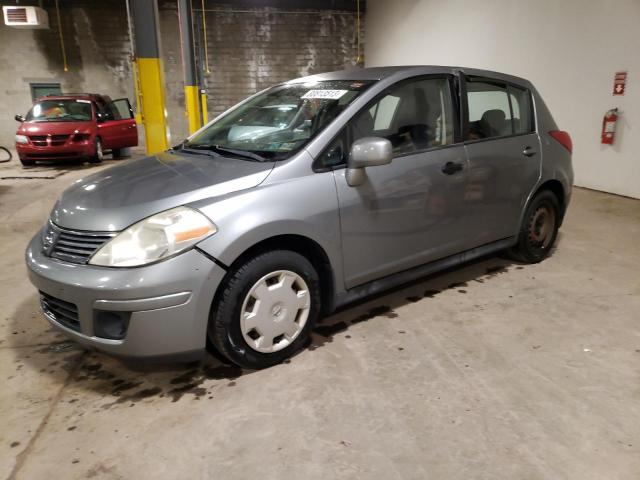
(494, 370)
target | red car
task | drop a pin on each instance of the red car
(82, 126)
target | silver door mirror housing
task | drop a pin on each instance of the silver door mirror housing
(367, 152)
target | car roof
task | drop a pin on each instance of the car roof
(72, 96)
(380, 73)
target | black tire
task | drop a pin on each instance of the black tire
(539, 229)
(224, 322)
(27, 163)
(99, 154)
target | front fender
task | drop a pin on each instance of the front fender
(306, 206)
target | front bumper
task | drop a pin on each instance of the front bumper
(68, 151)
(168, 303)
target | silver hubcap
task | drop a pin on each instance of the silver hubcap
(275, 311)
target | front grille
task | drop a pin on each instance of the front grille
(39, 140)
(73, 246)
(46, 140)
(57, 140)
(65, 313)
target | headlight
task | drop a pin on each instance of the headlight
(155, 238)
(21, 139)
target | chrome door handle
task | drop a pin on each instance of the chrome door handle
(528, 152)
(450, 168)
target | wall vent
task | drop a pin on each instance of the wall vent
(25, 17)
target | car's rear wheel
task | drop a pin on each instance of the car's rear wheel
(98, 155)
(539, 228)
(265, 309)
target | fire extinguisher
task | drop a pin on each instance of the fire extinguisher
(609, 126)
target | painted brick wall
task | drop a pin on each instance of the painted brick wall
(249, 49)
(98, 56)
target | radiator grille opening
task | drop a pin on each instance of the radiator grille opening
(62, 312)
(75, 246)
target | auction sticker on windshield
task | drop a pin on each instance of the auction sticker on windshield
(325, 94)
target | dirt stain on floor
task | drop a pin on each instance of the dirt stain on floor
(130, 387)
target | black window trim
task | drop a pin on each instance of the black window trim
(464, 113)
(456, 96)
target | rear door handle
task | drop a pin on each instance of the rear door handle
(528, 152)
(450, 168)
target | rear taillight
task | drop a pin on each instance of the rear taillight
(563, 138)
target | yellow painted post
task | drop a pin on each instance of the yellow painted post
(191, 99)
(150, 76)
(153, 104)
(203, 103)
(192, 103)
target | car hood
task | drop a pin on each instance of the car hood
(53, 128)
(115, 198)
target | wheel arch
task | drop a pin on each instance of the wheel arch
(555, 187)
(305, 246)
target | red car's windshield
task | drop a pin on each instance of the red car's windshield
(67, 110)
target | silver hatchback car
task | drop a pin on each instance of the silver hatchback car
(300, 199)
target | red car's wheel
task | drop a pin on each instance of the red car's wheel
(99, 154)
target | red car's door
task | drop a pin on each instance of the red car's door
(118, 127)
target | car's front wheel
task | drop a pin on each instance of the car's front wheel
(265, 310)
(539, 228)
(98, 155)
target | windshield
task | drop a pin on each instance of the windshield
(60, 111)
(281, 120)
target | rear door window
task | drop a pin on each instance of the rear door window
(488, 110)
(121, 109)
(496, 109)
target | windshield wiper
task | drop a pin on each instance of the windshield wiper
(222, 150)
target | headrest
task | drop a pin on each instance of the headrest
(495, 118)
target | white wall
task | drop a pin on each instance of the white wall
(569, 49)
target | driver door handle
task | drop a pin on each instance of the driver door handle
(528, 152)
(450, 168)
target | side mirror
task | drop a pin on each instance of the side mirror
(367, 152)
(19, 118)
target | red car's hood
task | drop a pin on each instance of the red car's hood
(53, 128)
